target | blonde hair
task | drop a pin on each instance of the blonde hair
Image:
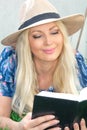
(25, 76)
(64, 79)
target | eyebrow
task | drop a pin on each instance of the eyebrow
(53, 27)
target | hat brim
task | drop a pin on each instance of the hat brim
(73, 23)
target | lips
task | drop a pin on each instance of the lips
(49, 51)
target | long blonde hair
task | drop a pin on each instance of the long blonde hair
(64, 79)
(25, 76)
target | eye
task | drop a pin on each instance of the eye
(36, 36)
(55, 32)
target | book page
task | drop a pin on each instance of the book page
(59, 95)
(83, 94)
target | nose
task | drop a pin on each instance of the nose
(48, 40)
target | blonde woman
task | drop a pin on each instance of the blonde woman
(42, 60)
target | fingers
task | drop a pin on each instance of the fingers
(44, 121)
(76, 126)
(47, 124)
(83, 125)
(47, 121)
(66, 128)
(39, 123)
(56, 128)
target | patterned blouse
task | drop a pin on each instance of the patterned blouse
(7, 72)
(8, 65)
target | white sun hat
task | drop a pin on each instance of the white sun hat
(37, 12)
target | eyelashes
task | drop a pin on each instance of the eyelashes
(56, 32)
(52, 33)
(36, 36)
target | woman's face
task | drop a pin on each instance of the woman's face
(46, 42)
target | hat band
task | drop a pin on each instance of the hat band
(39, 18)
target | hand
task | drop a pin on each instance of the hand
(76, 126)
(39, 123)
(82, 125)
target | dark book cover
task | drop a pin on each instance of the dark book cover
(67, 111)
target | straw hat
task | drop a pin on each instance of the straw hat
(37, 12)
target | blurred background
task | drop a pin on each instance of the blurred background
(9, 19)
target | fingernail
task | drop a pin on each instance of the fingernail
(51, 116)
(57, 121)
(82, 119)
(66, 128)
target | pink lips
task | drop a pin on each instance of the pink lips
(49, 51)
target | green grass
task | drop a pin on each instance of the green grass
(4, 129)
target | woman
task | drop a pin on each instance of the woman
(42, 60)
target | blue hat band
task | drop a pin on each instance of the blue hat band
(39, 18)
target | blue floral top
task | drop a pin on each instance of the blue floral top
(82, 68)
(8, 65)
(7, 72)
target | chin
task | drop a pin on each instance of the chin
(51, 59)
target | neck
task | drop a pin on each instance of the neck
(45, 68)
(45, 71)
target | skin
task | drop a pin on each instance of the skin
(46, 42)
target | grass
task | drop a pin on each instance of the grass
(4, 129)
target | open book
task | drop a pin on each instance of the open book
(68, 108)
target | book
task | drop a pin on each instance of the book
(68, 108)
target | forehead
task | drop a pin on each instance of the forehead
(44, 26)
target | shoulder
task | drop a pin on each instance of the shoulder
(8, 63)
(7, 52)
(82, 69)
(8, 58)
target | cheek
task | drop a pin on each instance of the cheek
(35, 47)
